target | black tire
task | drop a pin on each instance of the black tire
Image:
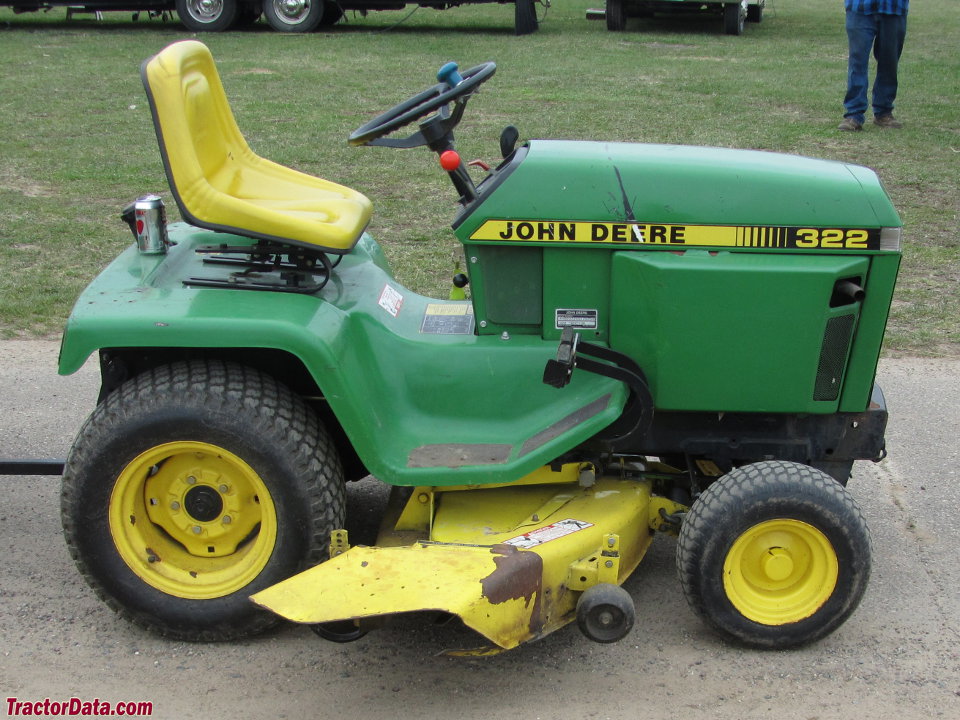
(207, 15)
(774, 555)
(733, 19)
(616, 15)
(605, 613)
(524, 17)
(332, 12)
(247, 15)
(294, 16)
(194, 458)
(755, 13)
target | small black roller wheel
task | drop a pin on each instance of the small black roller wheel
(774, 555)
(192, 487)
(344, 631)
(605, 613)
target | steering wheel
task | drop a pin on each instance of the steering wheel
(451, 86)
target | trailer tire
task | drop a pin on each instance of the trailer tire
(733, 18)
(207, 15)
(524, 17)
(616, 14)
(774, 555)
(193, 486)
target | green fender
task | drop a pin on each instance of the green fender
(422, 398)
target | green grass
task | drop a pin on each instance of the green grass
(77, 143)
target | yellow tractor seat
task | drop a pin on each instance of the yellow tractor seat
(219, 183)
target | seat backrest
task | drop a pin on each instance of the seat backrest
(219, 183)
(196, 129)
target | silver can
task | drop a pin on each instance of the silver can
(151, 225)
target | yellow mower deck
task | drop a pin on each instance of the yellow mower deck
(510, 561)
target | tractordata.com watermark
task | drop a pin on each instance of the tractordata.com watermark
(75, 707)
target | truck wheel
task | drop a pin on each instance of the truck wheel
(524, 17)
(755, 13)
(733, 19)
(294, 16)
(774, 555)
(207, 15)
(193, 486)
(616, 15)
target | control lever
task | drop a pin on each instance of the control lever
(637, 413)
(557, 372)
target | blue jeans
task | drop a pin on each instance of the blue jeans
(884, 34)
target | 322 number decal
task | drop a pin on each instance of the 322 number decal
(832, 239)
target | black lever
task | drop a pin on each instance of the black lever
(638, 412)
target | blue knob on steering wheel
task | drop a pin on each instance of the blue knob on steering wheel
(448, 74)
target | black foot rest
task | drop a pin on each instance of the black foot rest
(266, 266)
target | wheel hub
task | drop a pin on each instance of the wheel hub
(192, 519)
(780, 571)
(292, 10)
(203, 503)
(206, 9)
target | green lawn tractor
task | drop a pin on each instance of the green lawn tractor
(659, 339)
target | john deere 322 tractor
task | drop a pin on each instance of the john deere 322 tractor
(658, 339)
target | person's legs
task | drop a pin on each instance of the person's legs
(891, 31)
(861, 31)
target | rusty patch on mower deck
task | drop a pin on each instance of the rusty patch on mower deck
(519, 575)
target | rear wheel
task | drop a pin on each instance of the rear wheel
(755, 13)
(207, 15)
(774, 555)
(192, 487)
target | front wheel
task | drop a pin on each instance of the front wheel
(294, 16)
(207, 15)
(194, 486)
(774, 555)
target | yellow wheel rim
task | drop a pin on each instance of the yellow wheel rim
(780, 571)
(192, 520)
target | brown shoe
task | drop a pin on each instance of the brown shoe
(887, 121)
(850, 125)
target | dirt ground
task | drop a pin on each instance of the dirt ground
(897, 657)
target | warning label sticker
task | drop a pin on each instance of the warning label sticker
(390, 300)
(448, 319)
(548, 533)
(576, 318)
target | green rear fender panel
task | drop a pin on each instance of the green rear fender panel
(423, 399)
